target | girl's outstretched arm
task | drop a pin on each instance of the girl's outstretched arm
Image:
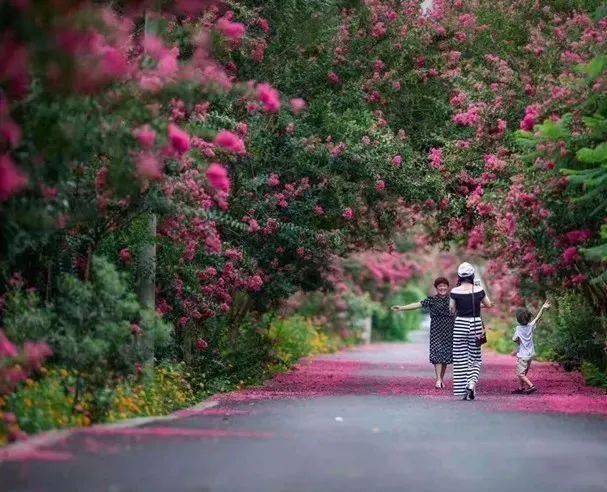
(407, 307)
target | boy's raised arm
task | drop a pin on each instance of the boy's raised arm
(546, 305)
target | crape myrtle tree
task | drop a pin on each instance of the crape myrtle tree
(127, 126)
(249, 142)
(501, 103)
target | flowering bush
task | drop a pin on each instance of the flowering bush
(166, 391)
(48, 403)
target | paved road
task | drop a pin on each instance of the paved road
(360, 420)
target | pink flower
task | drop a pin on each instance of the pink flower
(548, 270)
(153, 45)
(334, 78)
(136, 329)
(348, 214)
(436, 158)
(231, 30)
(218, 177)
(578, 237)
(253, 225)
(458, 99)
(263, 24)
(146, 136)
(180, 140)
(298, 105)
(273, 180)
(269, 97)
(494, 164)
(230, 142)
(532, 114)
(201, 345)
(12, 180)
(571, 255)
(49, 192)
(255, 283)
(10, 131)
(7, 349)
(579, 279)
(167, 64)
(114, 64)
(318, 210)
(397, 161)
(470, 117)
(125, 255)
(380, 185)
(148, 166)
(379, 30)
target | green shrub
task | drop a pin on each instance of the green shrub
(593, 375)
(499, 336)
(296, 337)
(98, 329)
(236, 353)
(573, 333)
(391, 326)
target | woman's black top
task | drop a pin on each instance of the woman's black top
(464, 306)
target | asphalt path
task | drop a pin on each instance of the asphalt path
(361, 420)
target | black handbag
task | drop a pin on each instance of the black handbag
(482, 338)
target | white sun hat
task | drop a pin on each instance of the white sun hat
(465, 270)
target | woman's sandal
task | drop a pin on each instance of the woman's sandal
(531, 389)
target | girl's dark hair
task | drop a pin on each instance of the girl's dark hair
(462, 280)
(441, 280)
(523, 316)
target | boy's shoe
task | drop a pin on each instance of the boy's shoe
(530, 390)
(519, 391)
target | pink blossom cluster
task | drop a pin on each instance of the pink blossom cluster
(16, 364)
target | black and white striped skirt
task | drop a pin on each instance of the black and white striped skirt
(466, 354)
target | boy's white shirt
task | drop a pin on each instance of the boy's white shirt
(524, 333)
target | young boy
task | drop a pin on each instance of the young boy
(523, 336)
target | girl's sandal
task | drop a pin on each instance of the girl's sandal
(530, 390)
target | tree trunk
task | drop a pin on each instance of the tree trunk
(146, 265)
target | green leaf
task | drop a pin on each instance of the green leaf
(596, 253)
(600, 12)
(553, 130)
(600, 279)
(593, 156)
(594, 68)
(597, 124)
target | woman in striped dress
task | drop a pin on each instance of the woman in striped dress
(466, 301)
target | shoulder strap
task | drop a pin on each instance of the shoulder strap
(473, 306)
